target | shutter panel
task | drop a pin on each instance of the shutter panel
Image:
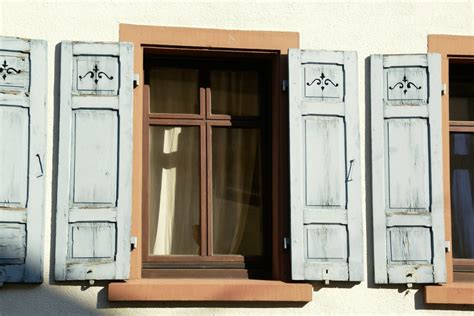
(326, 219)
(95, 162)
(407, 168)
(22, 155)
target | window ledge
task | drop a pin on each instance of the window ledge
(209, 290)
(451, 293)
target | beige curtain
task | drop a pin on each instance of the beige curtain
(174, 172)
(174, 190)
(174, 90)
(236, 202)
(236, 189)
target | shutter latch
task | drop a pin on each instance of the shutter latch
(284, 85)
(286, 243)
(133, 242)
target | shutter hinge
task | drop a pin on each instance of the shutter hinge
(447, 246)
(133, 242)
(444, 89)
(284, 85)
(136, 80)
(286, 243)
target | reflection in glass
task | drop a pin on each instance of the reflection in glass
(174, 191)
(462, 193)
(236, 191)
(235, 93)
(174, 90)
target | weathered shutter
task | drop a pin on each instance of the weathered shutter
(407, 169)
(326, 218)
(22, 155)
(95, 162)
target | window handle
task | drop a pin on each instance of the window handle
(349, 173)
(40, 165)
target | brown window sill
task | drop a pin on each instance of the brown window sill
(209, 290)
(451, 293)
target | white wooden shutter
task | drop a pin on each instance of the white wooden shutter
(22, 154)
(95, 162)
(326, 222)
(407, 169)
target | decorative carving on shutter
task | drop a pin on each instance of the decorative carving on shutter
(95, 162)
(326, 219)
(22, 153)
(407, 183)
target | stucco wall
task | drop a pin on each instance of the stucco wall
(367, 27)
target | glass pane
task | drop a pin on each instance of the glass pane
(462, 193)
(461, 91)
(174, 191)
(174, 90)
(236, 191)
(235, 93)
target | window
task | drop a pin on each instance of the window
(457, 54)
(205, 47)
(461, 161)
(206, 183)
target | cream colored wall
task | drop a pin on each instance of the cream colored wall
(364, 26)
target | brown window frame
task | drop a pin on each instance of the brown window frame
(235, 266)
(458, 289)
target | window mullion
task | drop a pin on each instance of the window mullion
(209, 188)
(203, 178)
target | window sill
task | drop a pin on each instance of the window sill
(209, 290)
(451, 293)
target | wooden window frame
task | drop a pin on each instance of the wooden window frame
(199, 265)
(454, 291)
(139, 289)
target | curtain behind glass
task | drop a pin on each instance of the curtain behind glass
(462, 172)
(236, 191)
(174, 191)
(174, 90)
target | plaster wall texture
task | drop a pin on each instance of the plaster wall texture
(367, 27)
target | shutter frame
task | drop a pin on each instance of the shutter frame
(345, 112)
(28, 93)
(386, 110)
(94, 246)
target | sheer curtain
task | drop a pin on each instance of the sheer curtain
(174, 190)
(236, 197)
(236, 178)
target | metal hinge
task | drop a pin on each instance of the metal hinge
(284, 85)
(447, 246)
(286, 243)
(136, 80)
(444, 89)
(133, 242)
